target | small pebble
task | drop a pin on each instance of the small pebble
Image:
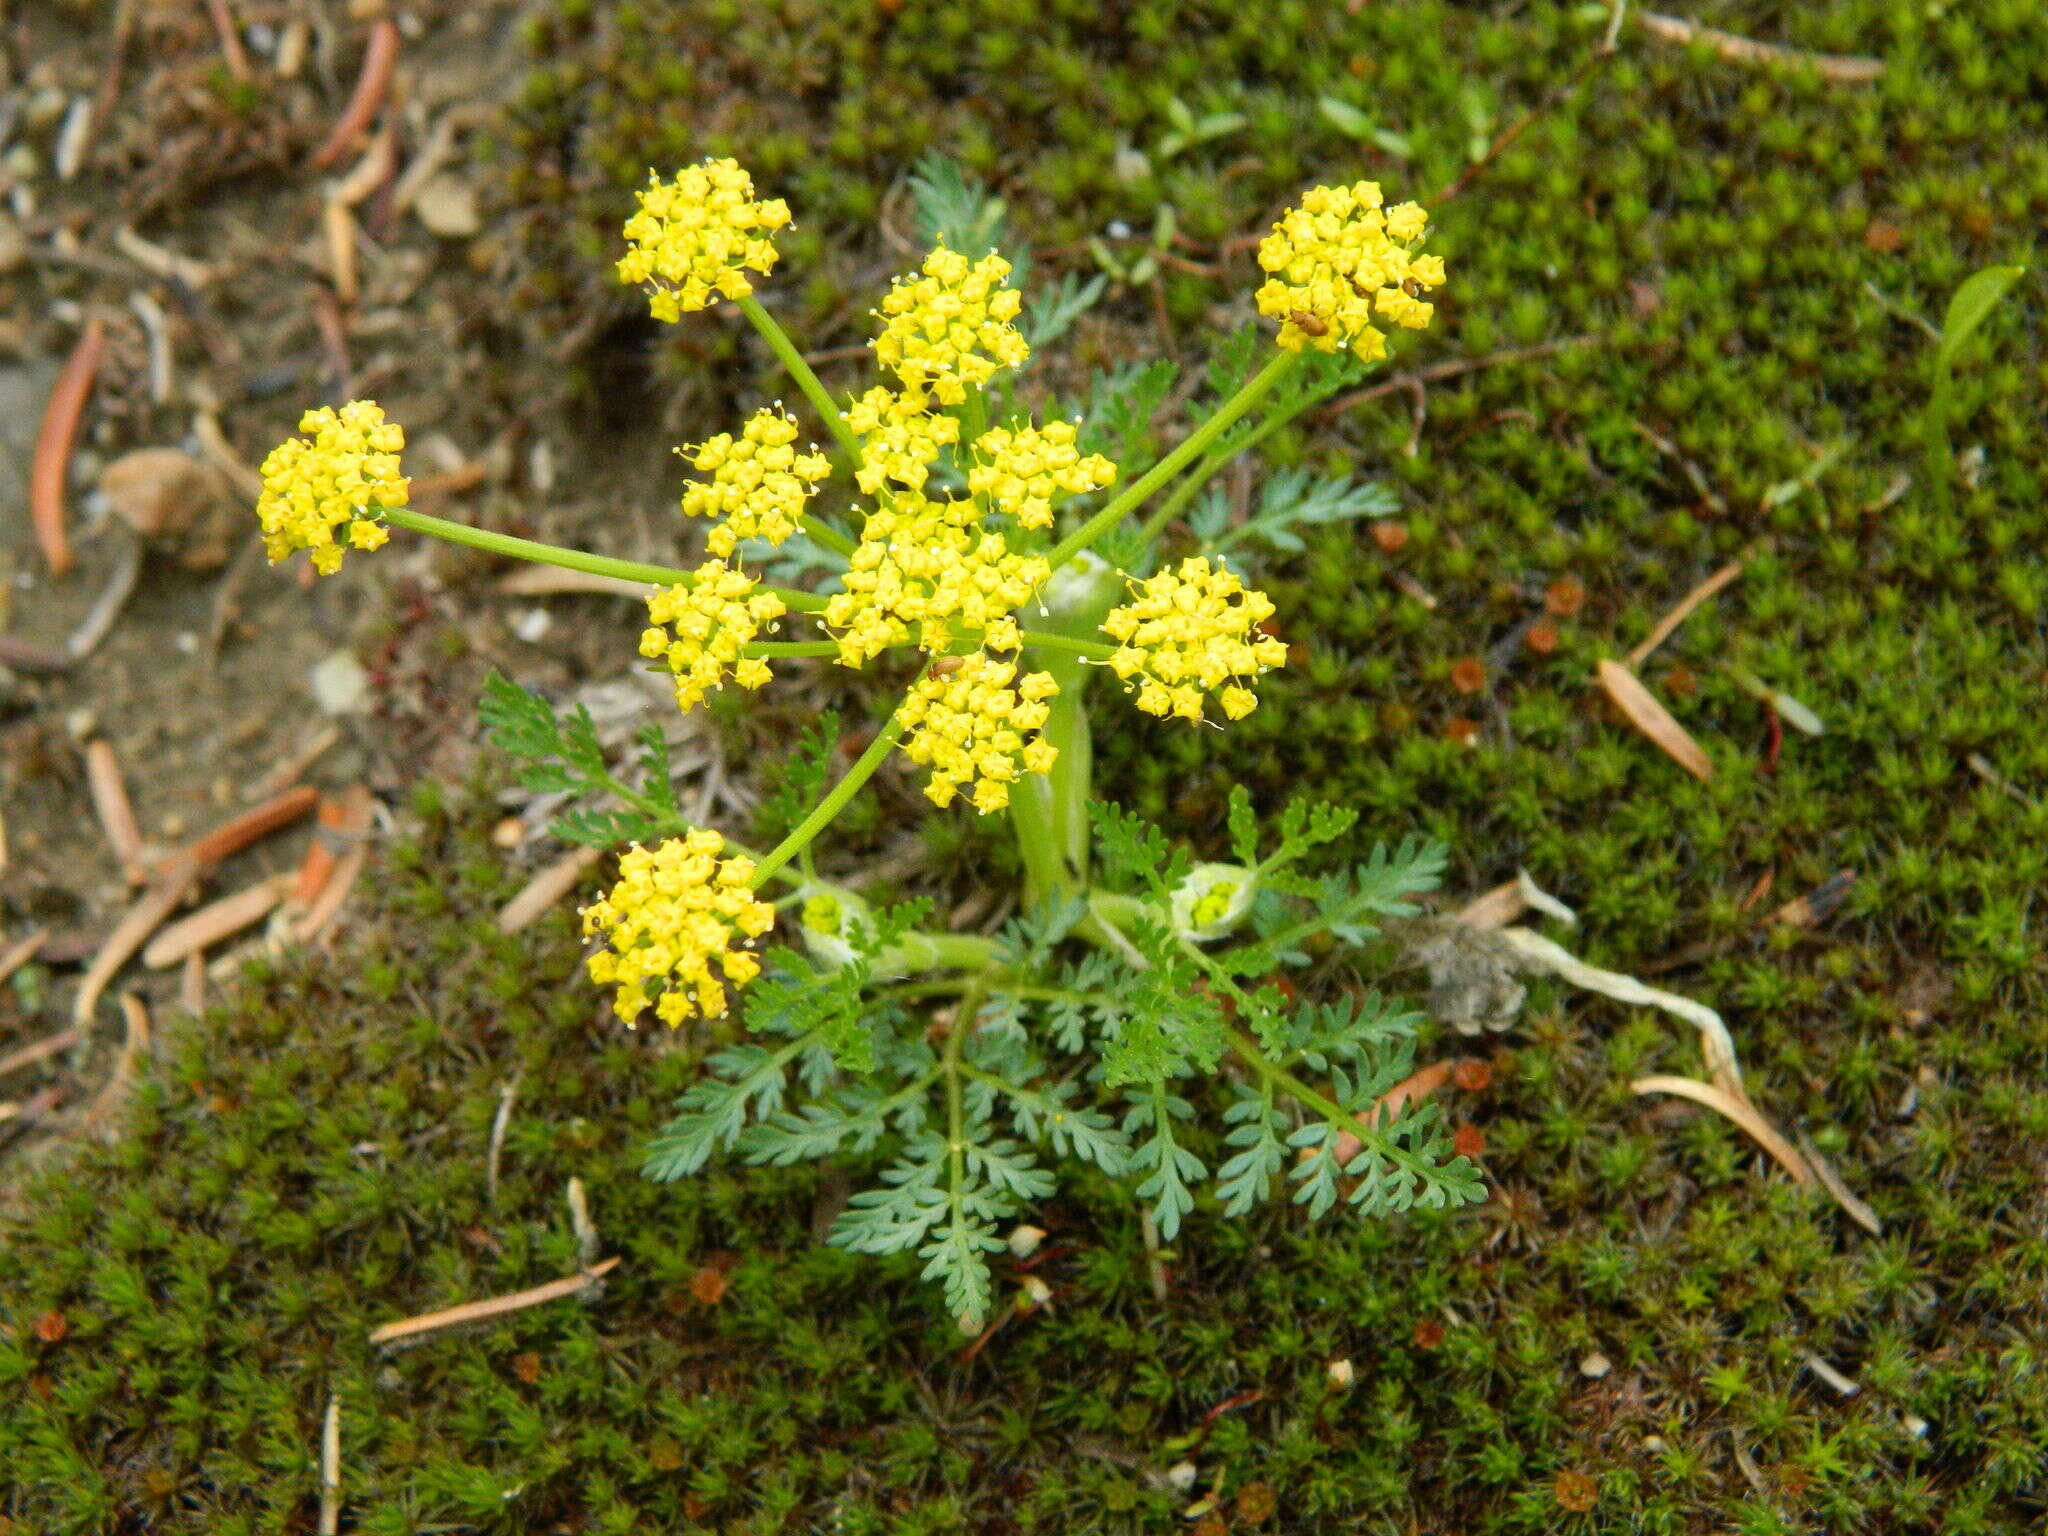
(1594, 1366)
(1181, 1476)
(532, 626)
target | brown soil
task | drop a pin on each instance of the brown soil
(204, 683)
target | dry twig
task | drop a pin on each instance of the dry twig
(37, 1050)
(541, 893)
(101, 1114)
(20, 953)
(330, 1468)
(1836, 68)
(507, 1097)
(174, 877)
(217, 920)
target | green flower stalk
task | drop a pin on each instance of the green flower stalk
(973, 554)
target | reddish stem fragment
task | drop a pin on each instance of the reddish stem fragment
(380, 62)
(54, 443)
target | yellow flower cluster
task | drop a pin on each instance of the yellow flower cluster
(926, 563)
(900, 437)
(759, 482)
(343, 478)
(676, 909)
(1191, 631)
(693, 238)
(1338, 260)
(951, 328)
(713, 619)
(969, 724)
(1021, 471)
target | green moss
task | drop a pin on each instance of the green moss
(310, 1163)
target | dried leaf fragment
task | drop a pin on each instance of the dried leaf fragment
(1653, 719)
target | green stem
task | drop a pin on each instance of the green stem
(821, 816)
(1191, 447)
(1206, 470)
(569, 559)
(825, 534)
(1248, 1048)
(973, 417)
(1051, 642)
(767, 648)
(949, 952)
(799, 370)
(964, 1014)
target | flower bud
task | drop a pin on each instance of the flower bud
(833, 921)
(1212, 901)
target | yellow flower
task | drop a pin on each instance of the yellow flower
(676, 909)
(1022, 470)
(713, 619)
(1193, 631)
(759, 482)
(900, 437)
(951, 328)
(970, 725)
(342, 479)
(693, 238)
(926, 564)
(1340, 259)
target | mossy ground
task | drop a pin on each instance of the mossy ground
(311, 1163)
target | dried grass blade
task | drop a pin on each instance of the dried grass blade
(1832, 1182)
(496, 1306)
(1682, 611)
(1740, 1111)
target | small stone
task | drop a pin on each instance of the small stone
(509, 833)
(446, 205)
(340, 685)
(158, 490)
(1181, 1476)
(1594, 1366)
(532, 626)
